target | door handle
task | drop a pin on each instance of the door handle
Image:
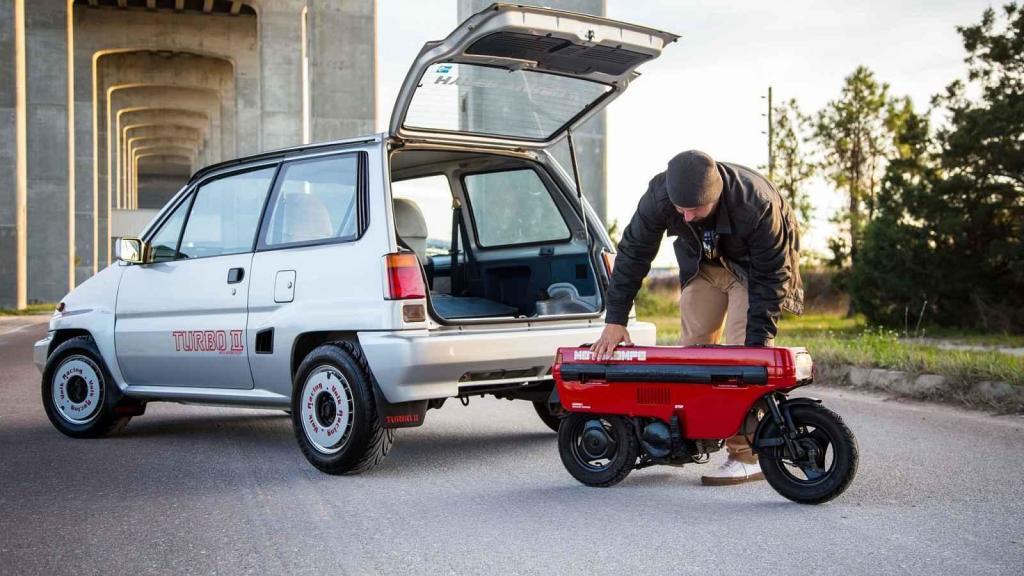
(235, 275)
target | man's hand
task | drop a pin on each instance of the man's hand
(612, 335)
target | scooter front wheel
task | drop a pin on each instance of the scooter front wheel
(827, 462)
(597, 450)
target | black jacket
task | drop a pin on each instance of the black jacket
(758, 240)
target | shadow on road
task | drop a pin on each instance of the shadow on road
(197, 440)
(216, 425)
(427, 448)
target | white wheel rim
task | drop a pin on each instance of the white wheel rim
(326, 409)
(77, 390)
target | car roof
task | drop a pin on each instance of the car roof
(290, 152)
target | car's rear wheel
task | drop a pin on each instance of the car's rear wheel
(334, 413)
(76, 387)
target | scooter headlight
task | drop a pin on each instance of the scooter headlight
(804, 366)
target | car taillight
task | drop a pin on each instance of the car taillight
(404, 277)
(609, 261)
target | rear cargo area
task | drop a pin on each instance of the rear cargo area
(496, 237)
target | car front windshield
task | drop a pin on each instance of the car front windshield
(485, 100)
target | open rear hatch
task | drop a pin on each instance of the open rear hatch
(520, 76)
(512, 78)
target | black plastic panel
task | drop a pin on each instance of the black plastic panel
(265, 341)
(666, 373)
(558, 55)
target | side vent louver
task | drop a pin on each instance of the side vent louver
(653, 395)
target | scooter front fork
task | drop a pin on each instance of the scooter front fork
(785, 425)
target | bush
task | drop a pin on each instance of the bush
(823, 292)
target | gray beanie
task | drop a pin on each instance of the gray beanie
(693, 180)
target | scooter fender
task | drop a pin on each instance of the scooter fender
(766, 436)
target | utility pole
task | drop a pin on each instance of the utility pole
(771, 137)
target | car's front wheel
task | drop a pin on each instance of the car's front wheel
(334, 414)
(75, 389)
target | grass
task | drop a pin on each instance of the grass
(44, 308)
(880, 348)
(974, 338)
(838, 340)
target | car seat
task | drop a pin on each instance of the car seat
(301, 218)
(411, 226)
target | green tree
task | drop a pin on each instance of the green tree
(949, 239)
(792, 165)
(614, 231)
(983, 160)
(894, 273)
(854, 134)
(983, 140)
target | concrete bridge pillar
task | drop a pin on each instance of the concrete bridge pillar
(280, 40)
(51, 223)
(590, 137)
(342, 57)
(12, 185)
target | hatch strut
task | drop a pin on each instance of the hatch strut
(579, 187)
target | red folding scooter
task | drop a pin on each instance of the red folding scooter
(676, 405)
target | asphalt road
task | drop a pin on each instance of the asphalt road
(481, 490)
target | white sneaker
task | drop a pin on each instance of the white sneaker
(733, 472)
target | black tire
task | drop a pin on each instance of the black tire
(574, 452)
(364, 442)
(823, 429)
(76, 371)
(550, 419)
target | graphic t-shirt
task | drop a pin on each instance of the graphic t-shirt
(709, 245)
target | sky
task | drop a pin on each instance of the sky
(705, 90)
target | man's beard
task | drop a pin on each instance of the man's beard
(703, 222)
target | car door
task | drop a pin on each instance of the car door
(181, 316)
(310, 270)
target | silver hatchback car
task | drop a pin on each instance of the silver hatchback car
(359, 283)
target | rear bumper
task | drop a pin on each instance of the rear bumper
(40, 350)
(421, 365)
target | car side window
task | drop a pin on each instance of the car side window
(513, 207)
(317, 201)
(432, 195)
(164, 244)
(226, 214)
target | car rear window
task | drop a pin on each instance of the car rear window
(513, 207)
(483, 100)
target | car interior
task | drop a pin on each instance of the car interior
(495, 236)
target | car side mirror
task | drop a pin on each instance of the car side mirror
(130, 250)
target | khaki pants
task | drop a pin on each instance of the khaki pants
(712, 303)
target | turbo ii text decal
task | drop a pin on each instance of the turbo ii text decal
(220, 341)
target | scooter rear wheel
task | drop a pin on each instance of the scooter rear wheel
(830, 457)
(597, 450)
